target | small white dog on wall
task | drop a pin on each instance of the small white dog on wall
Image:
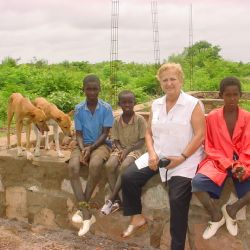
(56, 118)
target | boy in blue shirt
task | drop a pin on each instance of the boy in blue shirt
(93, 119)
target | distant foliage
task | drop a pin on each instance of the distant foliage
(61, 83)
(209, 67)
(65, 101)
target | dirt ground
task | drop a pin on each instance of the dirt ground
(16, 235)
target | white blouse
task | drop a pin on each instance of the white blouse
(172, 132)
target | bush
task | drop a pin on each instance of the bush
(66, 101)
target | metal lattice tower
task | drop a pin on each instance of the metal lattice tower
(155, 33)
(191, 56)
(114, 49)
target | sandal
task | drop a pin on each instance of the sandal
(131, 229)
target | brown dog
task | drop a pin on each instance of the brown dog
(54, 117)
(25, 114)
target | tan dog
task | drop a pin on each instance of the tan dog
(25, 114)
(54, 117)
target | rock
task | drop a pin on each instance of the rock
(2, 189)
(46, 217)
(70, 205)
(33, 189)
(38, 228)
(155, 198)
(66, 186)
(16, 202)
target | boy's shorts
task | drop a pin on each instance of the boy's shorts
(102, 152)
(201, 183)
(135, 154)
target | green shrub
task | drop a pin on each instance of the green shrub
(65, 101)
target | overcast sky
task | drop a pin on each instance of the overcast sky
(79, 30)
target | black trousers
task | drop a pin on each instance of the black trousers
(179, 199)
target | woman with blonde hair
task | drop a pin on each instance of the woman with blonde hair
(174, 134)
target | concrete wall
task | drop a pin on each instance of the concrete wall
(39, 192)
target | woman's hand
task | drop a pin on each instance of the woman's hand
(153, 161)
(175, 161)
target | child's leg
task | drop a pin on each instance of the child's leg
(111, 170)
(74, 176)
(240, 203)
(203, 188)
(243, 192)
(96, 163)
(210, 205)
(230, 211)
(125, 164)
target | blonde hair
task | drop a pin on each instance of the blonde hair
(171, 66)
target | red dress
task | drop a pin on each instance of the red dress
(219, 146)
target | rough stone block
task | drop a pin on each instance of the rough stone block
(2, 189)
(66, 186)
(16, 203)
(46, 217)
(53, 200)
(155, 197)
(2, 204)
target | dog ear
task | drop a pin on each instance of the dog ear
(71, 113)
(58, 119)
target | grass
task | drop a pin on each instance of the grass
(245, 105)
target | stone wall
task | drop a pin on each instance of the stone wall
(211, 99)
(39, 192)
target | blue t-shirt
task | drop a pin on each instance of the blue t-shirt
(91, 125)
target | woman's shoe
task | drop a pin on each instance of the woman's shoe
(131, 229)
